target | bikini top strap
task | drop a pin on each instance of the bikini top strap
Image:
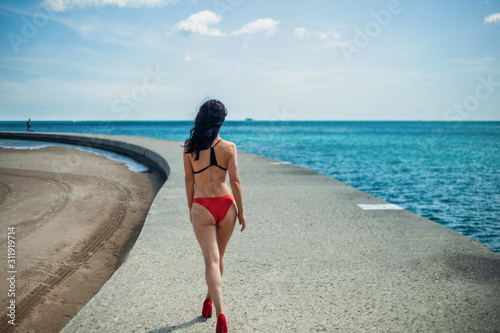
(213, 159)
(217, 143)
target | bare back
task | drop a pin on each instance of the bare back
(212, 181)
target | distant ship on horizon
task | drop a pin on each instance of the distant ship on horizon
(248, 119)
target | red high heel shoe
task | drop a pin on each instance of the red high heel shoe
(207, 309)
(221, 324)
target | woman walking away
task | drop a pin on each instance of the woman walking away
(213, 210)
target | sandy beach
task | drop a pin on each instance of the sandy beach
(76, 214)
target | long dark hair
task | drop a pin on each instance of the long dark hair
(206, 127)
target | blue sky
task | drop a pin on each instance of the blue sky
(284, 60)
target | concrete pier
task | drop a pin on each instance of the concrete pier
(310, 260)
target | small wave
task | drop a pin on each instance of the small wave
(22, 144)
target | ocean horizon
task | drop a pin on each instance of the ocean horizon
(448, 172)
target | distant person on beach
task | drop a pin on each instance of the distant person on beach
(213, 210)
(28, 123)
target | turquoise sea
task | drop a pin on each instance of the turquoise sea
(448, 172)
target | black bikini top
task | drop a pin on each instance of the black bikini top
(213, 159)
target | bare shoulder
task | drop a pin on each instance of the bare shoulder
(229, 145)
(230, 151)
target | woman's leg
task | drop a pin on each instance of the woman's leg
(224, 232)
(205, 231)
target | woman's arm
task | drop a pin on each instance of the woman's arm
(234, 181)
(189, 179)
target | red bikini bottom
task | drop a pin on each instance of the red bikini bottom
(217, 206)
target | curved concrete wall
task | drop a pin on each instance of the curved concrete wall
(141, 154)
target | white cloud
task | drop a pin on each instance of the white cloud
(329, 35)
(198, 24)
(97, 29)
(269, 26)
(492, 18)
(46, 67)
(479, 65)
(299, 33)
(188, 56)
(63, 5)
(480, 61)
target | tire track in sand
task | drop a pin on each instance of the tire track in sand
(4, 191)
(76, 259)
(63, 190)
